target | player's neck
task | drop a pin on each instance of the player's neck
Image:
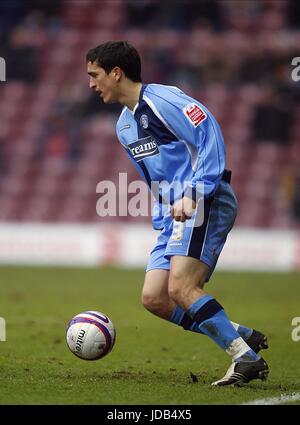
(130, 94)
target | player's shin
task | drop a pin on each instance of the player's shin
(181, 318)
(212, 321)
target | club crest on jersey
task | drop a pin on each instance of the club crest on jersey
(143, 148)
(144, 121)
(194, 113)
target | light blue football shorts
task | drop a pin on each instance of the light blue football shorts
(203, 242)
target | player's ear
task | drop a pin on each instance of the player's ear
(117, 73)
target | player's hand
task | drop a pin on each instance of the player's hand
(183, 209)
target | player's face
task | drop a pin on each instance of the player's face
(104, 84)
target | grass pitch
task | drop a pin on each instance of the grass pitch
(153, 361)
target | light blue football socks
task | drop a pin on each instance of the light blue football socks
(180, 318)
(208, 317)
(243, 331)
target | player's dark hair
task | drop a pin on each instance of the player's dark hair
(117, 53)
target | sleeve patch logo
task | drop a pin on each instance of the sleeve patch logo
(194, 113)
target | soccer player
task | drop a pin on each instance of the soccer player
(171, 137)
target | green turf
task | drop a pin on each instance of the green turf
(153, 361)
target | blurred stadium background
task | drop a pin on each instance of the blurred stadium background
(57, 141)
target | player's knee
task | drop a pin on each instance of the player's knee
(182, 283)
(152, 303)
(179, 286)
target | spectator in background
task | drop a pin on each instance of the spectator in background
(295, 204)
(59, 140)
(140, 13)
(23, 25)
(255, 67)
(77, 104)
(20, 54)
(2, 157)
(272, 118)
(293, 14)
(92, 106)
(11, 13)
(186, 14)
(290, 189)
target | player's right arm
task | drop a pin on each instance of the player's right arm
(192, 124)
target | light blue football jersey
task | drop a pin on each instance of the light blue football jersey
(171, 137)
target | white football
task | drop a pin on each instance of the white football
(91, 335)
